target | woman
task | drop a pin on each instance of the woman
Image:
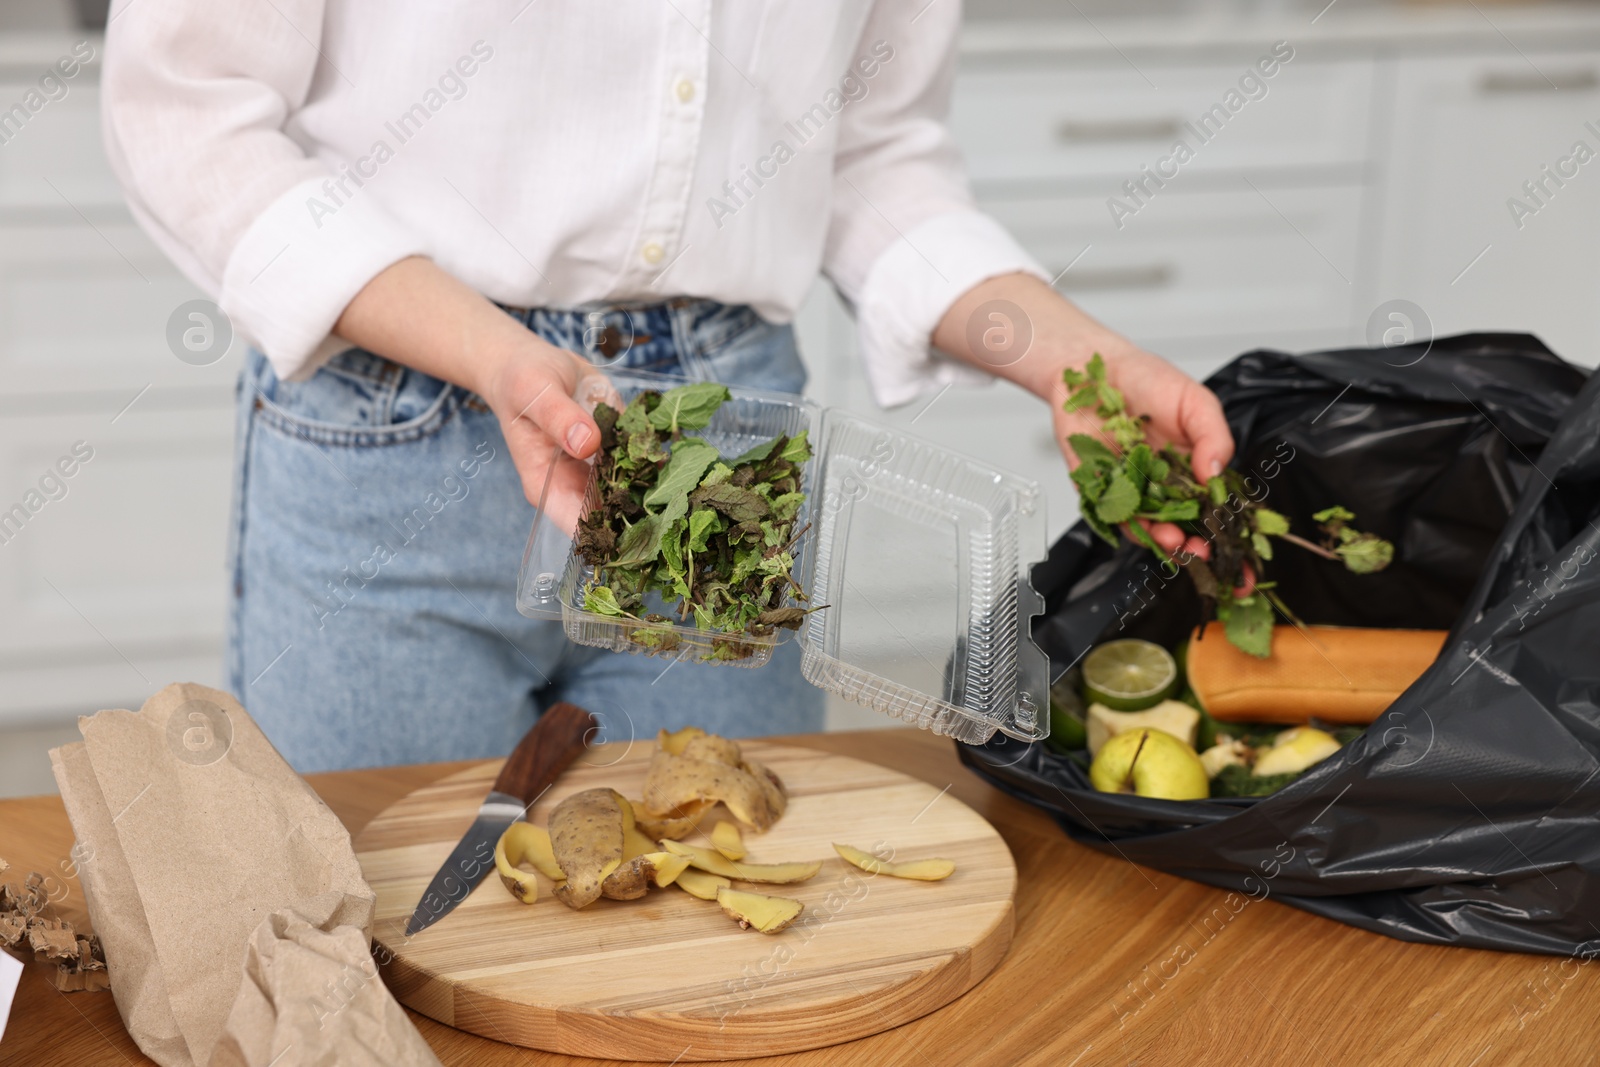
(437, 223)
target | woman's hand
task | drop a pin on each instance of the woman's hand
(544, 397)
(1183, 413)
(418, 315)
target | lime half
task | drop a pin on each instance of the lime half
(1067, 732)
(1129, 675)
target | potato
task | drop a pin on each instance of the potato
(767, 914)
(586, 832)
(930, 870)
(716, 863)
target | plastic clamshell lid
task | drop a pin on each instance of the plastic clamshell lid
(923, 557)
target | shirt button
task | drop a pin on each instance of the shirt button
(652, 252)
(685, 89)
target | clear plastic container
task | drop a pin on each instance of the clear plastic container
(929, 621)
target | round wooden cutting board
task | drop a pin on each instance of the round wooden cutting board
(670, 977)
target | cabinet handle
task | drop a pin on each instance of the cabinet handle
(1079, 131)
(1154, 276)
(1501, 81)
(23, 76)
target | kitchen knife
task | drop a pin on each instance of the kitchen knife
(533, 766)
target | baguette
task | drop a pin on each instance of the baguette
(1336, 674)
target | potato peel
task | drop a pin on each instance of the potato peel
(713, 749)
(586, 834)
(518, 883)
(758, 911)
(714, 862)
(668, 868)
(698, 883)
(525, 843)
(929, 870)
(690, 770)
(725, 838)
(673, 826)
(635, 877)
(674, 741)
(636, 843)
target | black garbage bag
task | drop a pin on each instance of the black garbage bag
(1469, 813)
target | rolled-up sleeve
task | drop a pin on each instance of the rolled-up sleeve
(196, 99)
(905, 240)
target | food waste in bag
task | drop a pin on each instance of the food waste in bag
(1478, 458)
(1140, 739)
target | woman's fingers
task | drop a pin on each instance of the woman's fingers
(1202, 423)
(1165, 534)
(545, 401)
(538, 387)
(563, 419)
(1171, 538)
(551, 478)
(1249, 586)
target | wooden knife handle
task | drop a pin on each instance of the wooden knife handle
(549, 748)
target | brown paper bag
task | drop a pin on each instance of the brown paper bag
(349, 1018)
(196, 833)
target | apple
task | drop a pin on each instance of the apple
(1295, 750)
(1171, 716)
(1153, 763)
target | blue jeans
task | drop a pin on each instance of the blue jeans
(378, 527)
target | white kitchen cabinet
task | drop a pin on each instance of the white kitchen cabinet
(1201, 263)
(118, 585)
(54, 162)
(84, 311)
(1102, 123)
(1467, 132)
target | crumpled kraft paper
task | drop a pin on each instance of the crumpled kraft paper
(348, 1020)
(210, 869)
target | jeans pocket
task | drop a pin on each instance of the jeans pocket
(357, 399)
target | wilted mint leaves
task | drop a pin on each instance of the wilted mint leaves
(711, 537)
(1363, 553)
(1121, 479)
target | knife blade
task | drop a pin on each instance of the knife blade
(544, 752)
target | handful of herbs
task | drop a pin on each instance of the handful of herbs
(1121, 479)
(677, 521)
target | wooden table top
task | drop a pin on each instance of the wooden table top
(1112, 963)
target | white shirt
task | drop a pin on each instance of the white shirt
(552, 153)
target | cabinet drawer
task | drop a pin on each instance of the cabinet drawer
(1199, 264)
(1102, 124)
(86, 308)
